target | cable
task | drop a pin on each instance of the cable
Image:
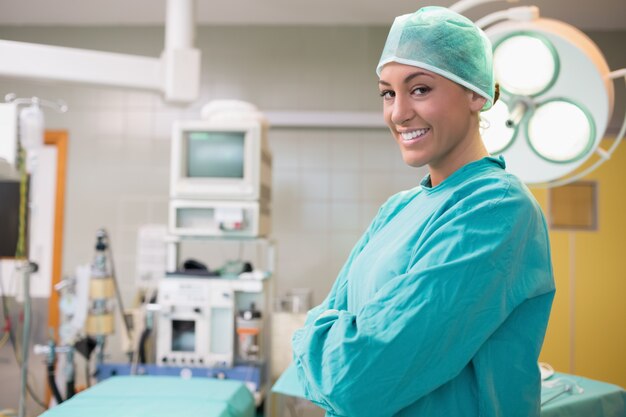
(20, 250)
(53, 384)
(11, 337)
(142, 345)
(70, 374)
(118, 294)
(139, 355)
(87, 374)
(4, 339)
(70, 388)
(7, 320)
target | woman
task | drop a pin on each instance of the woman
(442, 306)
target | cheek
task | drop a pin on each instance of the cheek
(442, 115)
(387, 111)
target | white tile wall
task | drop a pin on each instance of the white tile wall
(314, 150)
(375, 185)
(345, 152)
(345, 185)
(345, 216)
(314, 216)
(379, 152)
(314, 184)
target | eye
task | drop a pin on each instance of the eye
(420, 91)
(387, 94)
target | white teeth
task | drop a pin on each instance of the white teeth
(413, 134)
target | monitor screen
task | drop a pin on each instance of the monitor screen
(9, 213)
(183, 335)
(215, 154)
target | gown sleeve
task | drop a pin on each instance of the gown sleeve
(337, 297)
(472, 268)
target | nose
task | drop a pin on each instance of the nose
(402, 111)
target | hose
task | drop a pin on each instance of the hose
(142, 345)
(70, 389)
(53, 384)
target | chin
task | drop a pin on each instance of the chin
(414, 162)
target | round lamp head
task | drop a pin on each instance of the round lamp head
(561, 77)
(511, 59)
(560, 142)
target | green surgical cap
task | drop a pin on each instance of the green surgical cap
(446, 43)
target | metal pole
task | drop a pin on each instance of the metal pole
(25, 340)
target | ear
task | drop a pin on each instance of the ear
(476, 101)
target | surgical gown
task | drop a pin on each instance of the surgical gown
(441, 308)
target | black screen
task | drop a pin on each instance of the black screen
(183, 335)
(9, 216)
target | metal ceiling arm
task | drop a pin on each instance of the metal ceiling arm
(464, 5)
(176, 73)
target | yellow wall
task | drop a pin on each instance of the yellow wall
(587, 330)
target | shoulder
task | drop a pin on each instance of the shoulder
(394, 205)
(496, 192)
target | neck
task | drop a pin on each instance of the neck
(469, 150)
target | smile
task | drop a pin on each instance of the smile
(414, 134)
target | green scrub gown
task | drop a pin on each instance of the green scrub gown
(441, 308)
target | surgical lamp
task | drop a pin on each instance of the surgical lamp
(556, 101)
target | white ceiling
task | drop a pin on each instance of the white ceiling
(585, 14)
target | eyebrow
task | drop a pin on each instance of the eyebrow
(408, 77)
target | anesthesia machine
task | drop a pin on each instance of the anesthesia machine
(215, 323)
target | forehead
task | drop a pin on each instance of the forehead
(394, 72)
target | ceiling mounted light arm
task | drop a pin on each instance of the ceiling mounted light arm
(464, 5)
(517, 114)
(175, 73)
(519, 14)
(604, 155)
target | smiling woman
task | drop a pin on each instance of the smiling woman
(432, 119)
(442, 306)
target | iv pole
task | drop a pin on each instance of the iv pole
(29, 130)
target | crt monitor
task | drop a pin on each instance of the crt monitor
(225, 161)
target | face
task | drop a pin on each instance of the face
(433, 120)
